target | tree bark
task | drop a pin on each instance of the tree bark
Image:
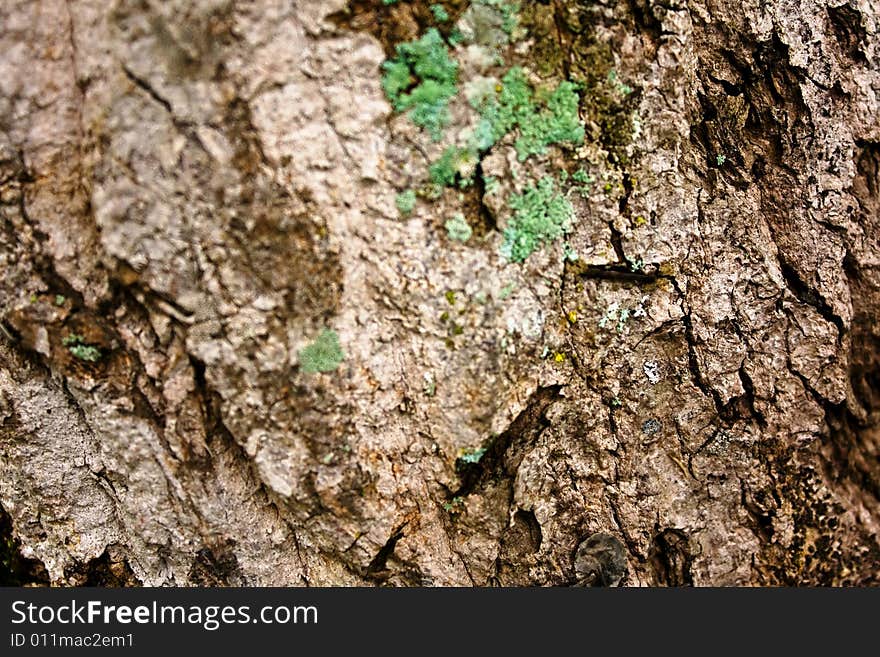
(192, 191)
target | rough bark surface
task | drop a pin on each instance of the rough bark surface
(199, 187)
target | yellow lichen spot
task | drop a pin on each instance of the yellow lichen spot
(572, 316)
(640, 221)
(559, 357)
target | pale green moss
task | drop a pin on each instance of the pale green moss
(581, 176)
(541, 215)
(323, 355)
(557, 123)
(543, 119)
(440, 13)
(406, 202)
(472, 455)
(458, 228)
(421, 80)
(78, 348)
(455, 164)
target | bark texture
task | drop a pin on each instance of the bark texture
(196, 188)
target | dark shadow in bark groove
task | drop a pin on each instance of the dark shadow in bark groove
(393, 23)
(671, 558)
(847, 25)
(16, 569)
(109, 570)
(504, 454)
(402, 572)
(517, 545)
(379, 565)
(216, 567)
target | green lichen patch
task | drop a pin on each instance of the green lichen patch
(440, 13)
(557, 123)
(421, 80)
(455, 165)
(541, 215)
(78, 348)
(406, 202)
(502, 107)
(323, 355)
(543, 118)
(533, 112)
(472, 456)
(458, 228)
(581, 176)
(568, 44)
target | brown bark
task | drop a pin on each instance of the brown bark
(197, 188)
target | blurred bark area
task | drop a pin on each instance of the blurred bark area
(197, 188)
